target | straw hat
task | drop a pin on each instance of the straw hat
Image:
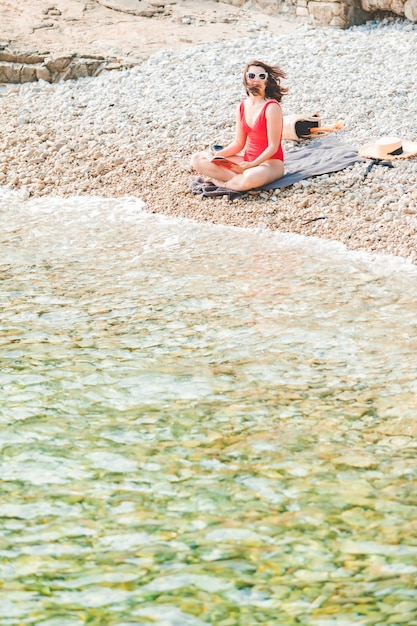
(389, 149)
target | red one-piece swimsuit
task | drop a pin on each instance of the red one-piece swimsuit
(257, 138)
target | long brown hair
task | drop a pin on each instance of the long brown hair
(274, 89)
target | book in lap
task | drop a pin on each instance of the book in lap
(223, 162)
(226, 163)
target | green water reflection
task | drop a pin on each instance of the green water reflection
(201, 425)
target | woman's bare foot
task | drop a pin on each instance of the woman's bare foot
(217, 182)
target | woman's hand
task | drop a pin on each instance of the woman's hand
(245, 165)
(237, 168)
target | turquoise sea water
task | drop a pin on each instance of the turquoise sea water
(201, 424)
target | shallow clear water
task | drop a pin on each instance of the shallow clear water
(201, 424)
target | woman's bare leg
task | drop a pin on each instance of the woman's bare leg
(219, 175)
(256, 176)
(250, 179)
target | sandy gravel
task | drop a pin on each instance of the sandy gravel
(92, 27)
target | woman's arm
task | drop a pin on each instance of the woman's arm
(274, 121)
(239, 141)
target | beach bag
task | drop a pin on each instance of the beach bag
(298, 127)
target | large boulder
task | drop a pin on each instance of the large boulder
(410, 10)
(338, 13)
(25, 67)
(405, 8)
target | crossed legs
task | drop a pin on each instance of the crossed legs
(249, 179)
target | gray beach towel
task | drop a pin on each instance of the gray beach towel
(320, 156)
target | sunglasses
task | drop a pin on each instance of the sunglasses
(261, 75)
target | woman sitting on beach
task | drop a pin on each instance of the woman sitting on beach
(258, 131)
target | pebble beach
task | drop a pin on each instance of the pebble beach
(131, 132)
